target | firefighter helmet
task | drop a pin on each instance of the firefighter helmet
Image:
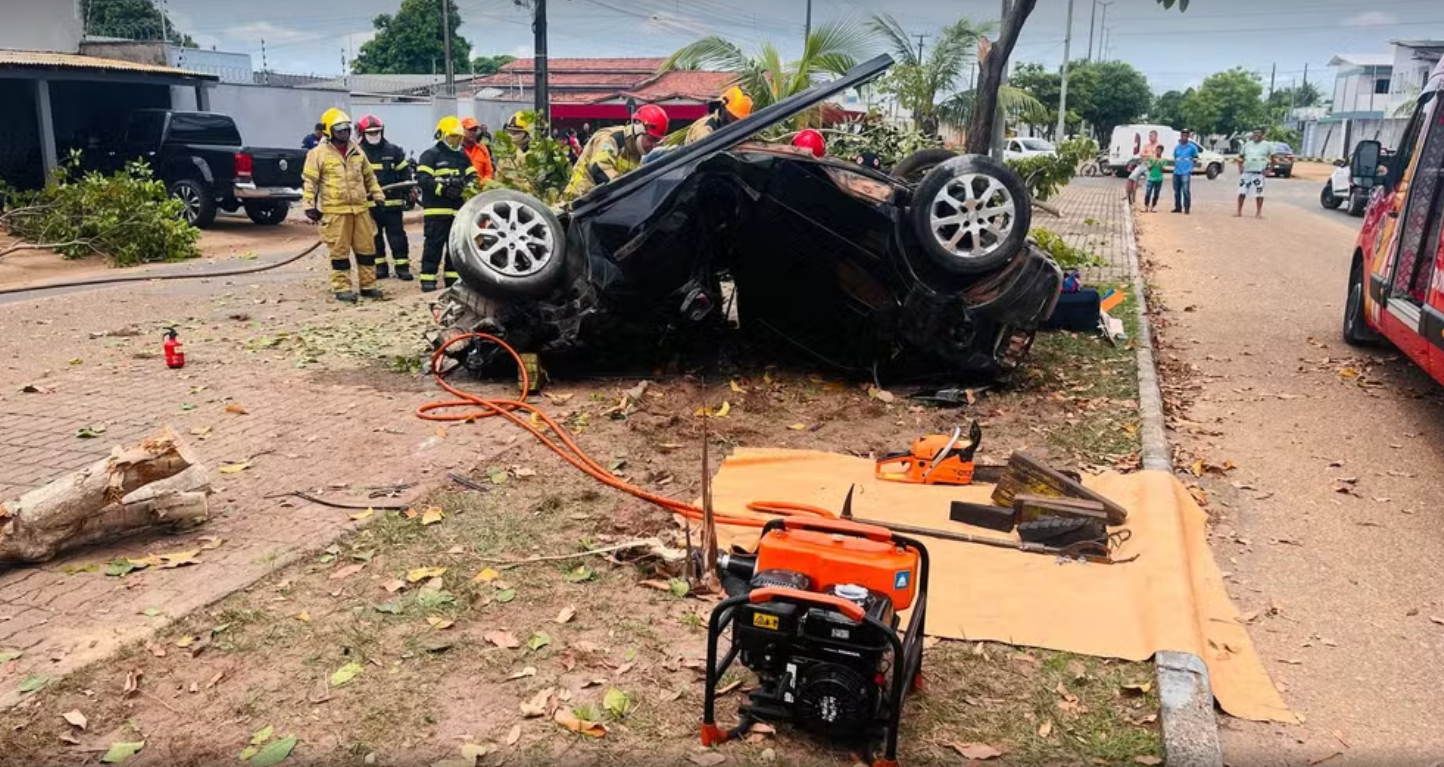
(812, 141)
(519, 121)
(449, 126)
(333, 119)
(653, 121)
(737, 103)
(370, 123)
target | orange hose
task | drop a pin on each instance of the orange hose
(473, 408)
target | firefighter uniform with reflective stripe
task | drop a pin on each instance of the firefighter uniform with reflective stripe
(438, 171)
(610, 154)
(389, 163)
(342, 187)
(703, 128)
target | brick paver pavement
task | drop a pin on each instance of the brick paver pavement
(323, 427)
(1092, 220)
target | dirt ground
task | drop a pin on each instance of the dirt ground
(1313, 171)
(1330, 524)
(432, 652)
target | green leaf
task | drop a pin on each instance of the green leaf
(8, 655)
(119, 752)
(498, 477)
(538, 640)
(617, 703)
(506, 596)
(342, 676)
(433, 600)
(680, 589)
(121, 567)
(630, 655)
(262, 735)
(150, 612)
(390, 608)
(31, 684)
(274, 753)
(90, 432)
(247, 753)
(188, 407)
(580, 574)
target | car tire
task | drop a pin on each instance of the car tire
(268, 213)
(949, 219)
(200, 206)
(1213, 171)
(1328, 199)
(915, 166)
(1356, 329)
(1358, 201)
(507, 245)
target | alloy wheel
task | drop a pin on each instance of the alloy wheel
(972, 215)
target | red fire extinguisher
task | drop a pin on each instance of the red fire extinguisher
(174, 357)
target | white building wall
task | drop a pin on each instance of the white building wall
(41, 25)
(1354, 92)
(266, 116)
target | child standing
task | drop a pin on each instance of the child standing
(1135, 179)
(1155, 180)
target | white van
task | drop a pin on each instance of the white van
(1128, 142)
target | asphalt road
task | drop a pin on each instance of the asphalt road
(1332, 525)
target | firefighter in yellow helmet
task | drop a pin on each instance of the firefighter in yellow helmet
(339, 188)
(732, 105)
(615, 151)
(518, 126)
(443, 173)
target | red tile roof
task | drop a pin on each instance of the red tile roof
(638, 65)
(700, 86)
(558, 80)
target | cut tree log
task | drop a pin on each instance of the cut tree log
(113, 497)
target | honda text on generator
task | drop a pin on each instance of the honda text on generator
(818, 624)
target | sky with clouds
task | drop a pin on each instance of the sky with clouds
(1175, 50)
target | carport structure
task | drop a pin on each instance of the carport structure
(61, 101)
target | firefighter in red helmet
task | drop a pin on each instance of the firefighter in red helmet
(613, 152)
(389, 163)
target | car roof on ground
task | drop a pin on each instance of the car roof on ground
(731, 135)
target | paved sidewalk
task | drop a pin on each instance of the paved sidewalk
(1092, 220)
(333, 426)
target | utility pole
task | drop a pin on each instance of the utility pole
(446, 46)
(1306, 74)
(1103, 30)
(1273, 70)
(807, 28)
(920, 46)
(1092, 20)
(539, 87)
(1000, 124)
(1063, 90)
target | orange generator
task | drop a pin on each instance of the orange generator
(815, 617)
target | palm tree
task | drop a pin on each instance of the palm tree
(831, 49)
(919, 82)
(1017, 104)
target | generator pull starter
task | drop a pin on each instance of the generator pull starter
(818, 624)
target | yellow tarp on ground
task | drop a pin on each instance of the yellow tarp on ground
(1171, 598)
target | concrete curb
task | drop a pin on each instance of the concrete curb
(1190, 730)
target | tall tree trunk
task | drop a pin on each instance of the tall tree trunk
(990, 77)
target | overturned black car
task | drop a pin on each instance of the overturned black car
(929, 270)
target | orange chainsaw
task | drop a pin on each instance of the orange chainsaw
(937, 459)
